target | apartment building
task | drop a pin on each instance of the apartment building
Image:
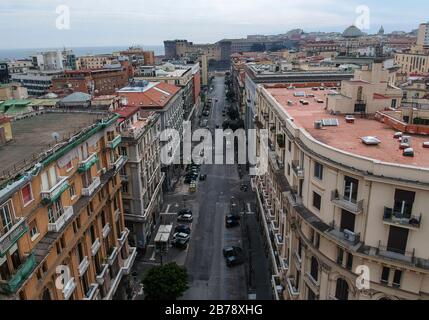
(333, 207)
(4, 72)
(62, 233)
(423, 35)
(97, 82)
(141, 177)
(95, 61)
(38, 83)
(20, 66)
(166, 100)
(176, 49)
(13, 91)
(186, 76)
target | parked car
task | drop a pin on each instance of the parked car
(203, 177)
(231, 223)
(206, 113)
(181, 235)
(234, 261)
(233, 217)
(179, 243)
(188, 180)
(184, 211)
(232, 251)
(185, 218)
(181, 228)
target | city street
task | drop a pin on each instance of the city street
(210, 278)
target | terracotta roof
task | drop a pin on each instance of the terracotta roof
(156, 96)
(127, 111)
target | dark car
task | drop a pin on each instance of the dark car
(233, 217)
(188, 180)
(185, 218)
(232, 223)
(180, 243)
(206, 113)
(203, 177)
(232, 251)
(182, 229)
(184, 211)
(234, 261)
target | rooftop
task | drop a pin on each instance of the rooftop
(387, 151)
(34, 135)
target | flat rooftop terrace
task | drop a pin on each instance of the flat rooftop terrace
(347, 137)
(33, 135)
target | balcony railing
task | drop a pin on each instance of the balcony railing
(350, 205)
(396, 254)
(83, 266)
(62, 220)
(118, 162)
(297, 169)
(112, 256)
(106, 230)
(12, 236)
(278, 288)
(346, 236)
(86, 164)
(88, 191)
(95, 247)
(292, 288)
(124, 236)
(395, 218)
(56, 191)
(101, 276)
(93, 292)
(14, 283)
(69, 289)
(115, 142)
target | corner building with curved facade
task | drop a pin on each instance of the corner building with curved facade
(333, 207)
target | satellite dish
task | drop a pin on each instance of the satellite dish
(55, 136)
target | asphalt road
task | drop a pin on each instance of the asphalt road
(210, 278)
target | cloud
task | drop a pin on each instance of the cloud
(108, 22)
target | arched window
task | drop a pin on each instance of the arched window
(314, 269)
(342, 290)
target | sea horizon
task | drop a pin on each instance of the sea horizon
(21, 53)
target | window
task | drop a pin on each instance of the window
(340, 256)
(92, 234)
(288, 169)
(6, 217)
(124, 187)
(34, 231)
(342, 290)
(318, 171)
(316, 241)
(404, 201)
(80, 253)
(72, 191)
(317, 201)
(397, 278)
(351, 189)
(69, 166)
(349, 264)
(385, 275)
(314, 272)
(55, 211)
(4, 269)
(14, 255)
(27, 194)
(289, 146)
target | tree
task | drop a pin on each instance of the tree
(167, 282)
(233, 114)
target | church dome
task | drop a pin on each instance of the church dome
(352, 32)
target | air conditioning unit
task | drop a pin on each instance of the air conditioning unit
(350, 236)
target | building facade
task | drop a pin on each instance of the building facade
(142, 178)
(332, 207)
(62, 224)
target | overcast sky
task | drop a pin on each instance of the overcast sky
(32, 23)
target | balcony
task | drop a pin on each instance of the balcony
(102, 275)
(123, 238)
(130, 261)
(11, 237)
(394, 218)
(346, 237)
(95, 247)
(106, 230)
(279, 240)
(86, 164)
(93, 292)
(284, 265)
(278, 288)
(113, 254)
(83, 266)
(118, 163)
(115, 142)
(352, 206)
(396, 254)
(53, 194)
(89, 191)
(297, 169)
(69, 289)
(61, 220)
(14, 283)
(292, 288)
(117, 214)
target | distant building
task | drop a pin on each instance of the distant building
(20, 66)
(6, 134)
(4, 72)
(423, 35)
(95, 62)
(13, 91)
(38, 83)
